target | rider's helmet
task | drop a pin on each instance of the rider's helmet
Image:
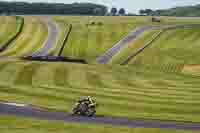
(88, 100)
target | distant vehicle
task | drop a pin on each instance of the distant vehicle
(154, 19)
(85, 106)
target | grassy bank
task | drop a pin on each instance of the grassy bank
(31, 39)
(122, 91)
(172, 46)
(9, 27)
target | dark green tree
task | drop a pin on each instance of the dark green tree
(122, 12)
(142, 12)
(147, 12)
(113, 11)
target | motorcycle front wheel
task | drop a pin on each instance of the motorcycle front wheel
(90, 112)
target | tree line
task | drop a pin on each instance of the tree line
(185, 11)
(20, 8)
(11, 8)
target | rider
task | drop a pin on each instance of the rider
(88, 100)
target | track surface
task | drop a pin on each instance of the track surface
(122, 43)
(141, 49)
(22, 110)
(53, 31)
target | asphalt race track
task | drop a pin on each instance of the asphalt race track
(29, 111)
(105, 58)
(53, 32)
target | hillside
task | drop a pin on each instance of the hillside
(174, 51)
(185, 11)
(151, 86)
(139, 92)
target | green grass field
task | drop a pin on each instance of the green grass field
(179, 46)
(144, 94)
(134, 46)
(8, 28)
(16, 125)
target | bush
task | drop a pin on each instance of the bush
(99, 23)
(92, 23)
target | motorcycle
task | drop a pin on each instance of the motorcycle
(84, 109)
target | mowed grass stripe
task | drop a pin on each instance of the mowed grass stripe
(153, 86)
(9, 29)
(44, 75)
(169, 34)
(24, 44)
(31, 41)
(184, 35)
(131, 86)
(182, 88)
(61, 81)
(188, 97)
(22, 39)
(3, 24)
(134, 46)
(27, 42)
(94, 80)
(38, 40)
(8, 74)
(72, 77)
(172, 88)
(173, 46)
(60, 76)
(26, 92)
(3, 27)
(195, 38)
(26, 73)
(4, 65)
(136, 97)
(129, 89)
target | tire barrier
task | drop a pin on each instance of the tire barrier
(53, 59)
